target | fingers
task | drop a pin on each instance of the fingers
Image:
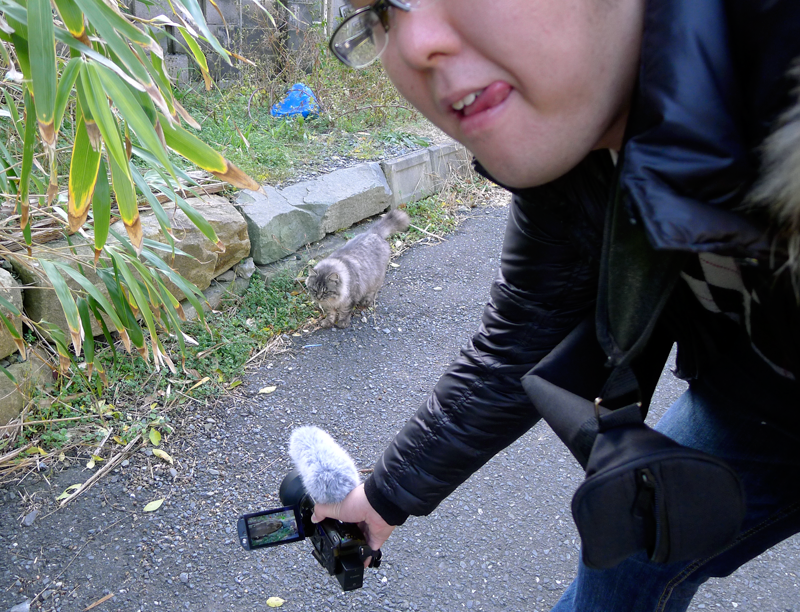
(355, 508)
(376, 532)
(323, 511)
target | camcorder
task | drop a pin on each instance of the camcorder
(340, 548)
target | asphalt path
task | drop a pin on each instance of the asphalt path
(505, 540)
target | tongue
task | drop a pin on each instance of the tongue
(491, 96)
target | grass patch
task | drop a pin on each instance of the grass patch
(77, 415)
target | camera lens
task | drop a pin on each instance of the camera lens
(292, 489)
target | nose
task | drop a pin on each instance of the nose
(425, 36)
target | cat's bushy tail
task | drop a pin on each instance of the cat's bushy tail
(392, 222)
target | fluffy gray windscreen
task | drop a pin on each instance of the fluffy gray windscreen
(327, 471)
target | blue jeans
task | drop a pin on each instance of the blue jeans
(734, 412)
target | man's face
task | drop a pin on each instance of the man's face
(552, 78)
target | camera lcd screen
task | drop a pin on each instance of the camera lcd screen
(273, 527)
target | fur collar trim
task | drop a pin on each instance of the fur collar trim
(778, 187)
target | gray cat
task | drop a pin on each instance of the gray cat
(352, 275)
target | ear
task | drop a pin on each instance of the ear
(334, 278)
(312, 272)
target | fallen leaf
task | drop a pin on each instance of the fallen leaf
(394, 265)
(155, 436)
(62, 457)
(153, 505)
(275, 602)
(119, 440)
(69, 491)
(103, 599)
(162, 455)
(93, 461)
(234, 384)
(202, 381)
(267, 390)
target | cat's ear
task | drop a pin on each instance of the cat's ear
(311, 272)
(334, 278)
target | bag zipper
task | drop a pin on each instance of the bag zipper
(661, 547)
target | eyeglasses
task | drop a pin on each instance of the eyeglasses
(363, 35)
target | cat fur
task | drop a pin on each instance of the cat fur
(354, 273)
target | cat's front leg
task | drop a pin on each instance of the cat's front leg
(329, 320)
(344, 318)
(368, 301)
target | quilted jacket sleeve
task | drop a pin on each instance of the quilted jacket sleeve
(546, 286)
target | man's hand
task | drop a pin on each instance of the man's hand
(356, 509)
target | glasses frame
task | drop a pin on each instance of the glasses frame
(381, 10)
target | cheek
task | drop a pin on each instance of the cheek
(399, 73)
(414, 87)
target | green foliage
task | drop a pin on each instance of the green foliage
(137, 400)
(362, 113)
(245, 324)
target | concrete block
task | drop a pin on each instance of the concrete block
(410, 177)
(343, 197)
(204, 260)
(29, 374)
(215, 294)
(230, 13)
(253, 17)
(447, 160)
(276, 228)
(177, 66)
(151, 9)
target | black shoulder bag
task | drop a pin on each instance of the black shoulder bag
(643, 491)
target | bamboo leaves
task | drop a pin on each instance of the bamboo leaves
(67, 303)
(104, 95)
(42, 54)
(126, 201)
(195, 150)
(82, 177)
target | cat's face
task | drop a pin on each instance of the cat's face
(323, 287)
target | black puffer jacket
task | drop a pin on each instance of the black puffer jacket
(714, 83)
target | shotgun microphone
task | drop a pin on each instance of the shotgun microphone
(327, 471)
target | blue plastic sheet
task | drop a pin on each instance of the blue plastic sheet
(299, 100)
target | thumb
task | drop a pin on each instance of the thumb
(323, 511)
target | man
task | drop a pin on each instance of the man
(653, 149)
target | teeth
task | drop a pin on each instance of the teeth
(466, 100)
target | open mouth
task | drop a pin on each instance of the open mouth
(482, 99)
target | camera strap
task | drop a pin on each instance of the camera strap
(365, 552)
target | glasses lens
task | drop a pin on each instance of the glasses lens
(360, 39)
